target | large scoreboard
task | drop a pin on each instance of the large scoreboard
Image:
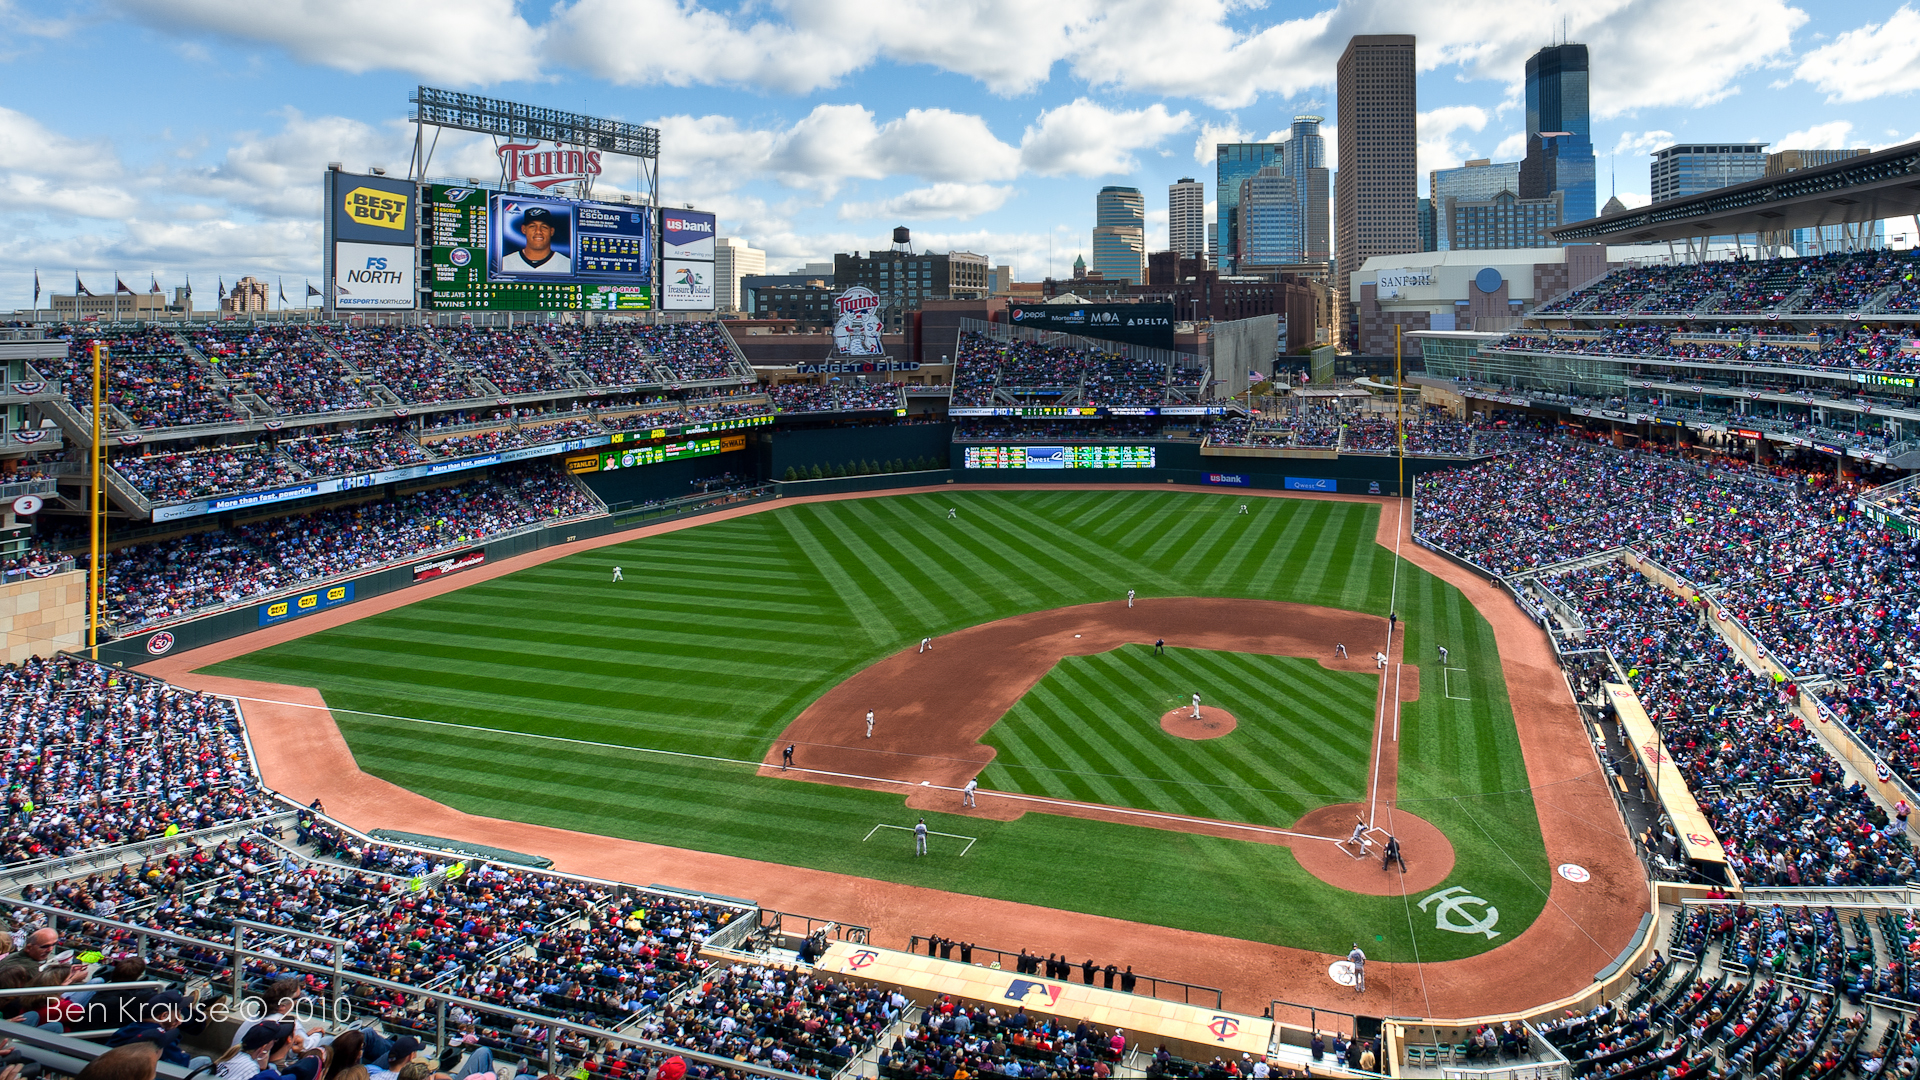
(1059, 457)
(503, 251)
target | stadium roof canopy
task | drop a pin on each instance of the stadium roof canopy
(1880, 185)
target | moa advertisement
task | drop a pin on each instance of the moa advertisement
(686, 286)
(1150, 325)
(856, 326)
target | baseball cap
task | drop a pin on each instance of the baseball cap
(539, 215)
(265, 1033)
(168, 999)
(402, 1046)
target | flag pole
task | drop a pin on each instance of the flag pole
(94, 530)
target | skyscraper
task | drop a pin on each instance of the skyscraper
(1689, 169)
(1559, 133)
(1480, 178)
(1187, 217)
(1120, 234)
(1304, 157)
(1233, 163)
(733, 259)
(1269, 220)
(1376, 193)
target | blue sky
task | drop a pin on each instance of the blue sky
(170, 137)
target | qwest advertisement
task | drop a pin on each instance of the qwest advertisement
(373, 276)
(687, 234)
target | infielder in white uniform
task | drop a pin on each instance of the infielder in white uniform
(966, 793)
(926, 643)
(1129, 597)
(869, 723)
(1340, 650)
(616, 573)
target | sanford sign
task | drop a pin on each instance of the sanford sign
(543, 165)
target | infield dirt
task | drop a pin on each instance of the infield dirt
(302, 754)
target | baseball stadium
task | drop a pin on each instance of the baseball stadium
(580, 691)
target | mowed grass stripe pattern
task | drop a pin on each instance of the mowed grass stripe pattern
(1090, 731)
(720, 634)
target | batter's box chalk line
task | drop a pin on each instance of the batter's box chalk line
(971, 840)
(1447, 678)
(1365, 852)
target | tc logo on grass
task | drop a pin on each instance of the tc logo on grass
(1028, 992)
(1455, 900)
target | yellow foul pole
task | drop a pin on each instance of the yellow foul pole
(94, 529)
(1399, 415)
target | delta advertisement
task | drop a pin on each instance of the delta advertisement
(1150, 325)
(306, 603)
(687, 234)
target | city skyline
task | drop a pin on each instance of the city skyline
(988, 134)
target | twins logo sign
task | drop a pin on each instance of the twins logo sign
(1455, 901)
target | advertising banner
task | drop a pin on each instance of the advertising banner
(335, 484)
(1312, 483)
(1393, 284)
(460, 239)
(371, 209)
(448, 564)
(306, 603)
(687, 234)
(635, 456)
(1234, 479)
(1136, 324)
(1059, 457)
(373, 276)
(686, 286)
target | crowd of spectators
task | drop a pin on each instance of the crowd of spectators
(691, 413)
(952, 1038)
(371, 449)
(509, 359)
(470, 443)
(607, 353)
(1832, 347)
(690, 351)
(200, 474)
(1107, 379)
(285, 366)
(773, 1016)
(404, 359)
(149, 582)
(1819, 285)
(151, 379)
(96, 757)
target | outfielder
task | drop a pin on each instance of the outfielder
(1443, 654)
(1243, 508)
(616, 573)
(952, 513)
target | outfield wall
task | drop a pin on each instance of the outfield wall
(803, 448)
(1181, 462)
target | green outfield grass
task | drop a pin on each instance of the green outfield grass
(721, 634)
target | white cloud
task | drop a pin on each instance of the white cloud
(1640, 144)
(1632, 200)
(459, 42)
(936, 201)
(1875, 60)
(1088, 139)
(1833, 135)
(1212, 134)
(1511, 147)
(1438, 147)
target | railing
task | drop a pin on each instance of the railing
(580, 1039)
(90, 862)
(1005, 960)
(29, 487)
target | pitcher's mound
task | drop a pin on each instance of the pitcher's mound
(1212, 724)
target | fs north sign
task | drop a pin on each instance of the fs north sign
(542, 165)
